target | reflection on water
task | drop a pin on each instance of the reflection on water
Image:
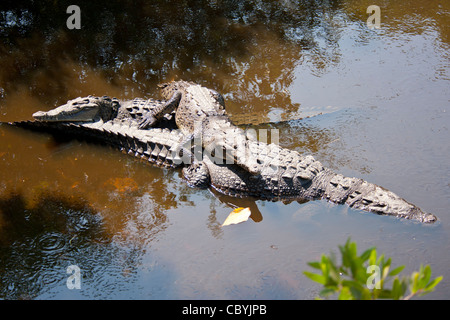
(138, 231)
(239, 48)
(37, 240)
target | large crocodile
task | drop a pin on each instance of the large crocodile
(301, 177)
(284, 173)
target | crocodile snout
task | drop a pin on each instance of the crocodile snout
(39, 115)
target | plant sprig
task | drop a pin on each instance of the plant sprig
(365, 276)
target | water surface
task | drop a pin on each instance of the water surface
(139, 232)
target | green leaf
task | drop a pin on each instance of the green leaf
(361, 274)
(385, 272)
(352, 283)
(356, 289)
(366, 254)
(373, 257)
(396, 271)
(414, 282)
(380, 261)
(353, 250)
(425, 276)
(315, 277)
(432, 284)
(345, 294)
(315, 265)
(398, 289)
(328, 291)
(324, 267)
(368, 294)
(333, 275)
(383, 294)
(345, 256)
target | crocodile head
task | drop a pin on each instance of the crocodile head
(197, 175)
(81, 109)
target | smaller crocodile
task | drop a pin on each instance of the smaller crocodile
(152, 145)
(91, 109)
(115, 122)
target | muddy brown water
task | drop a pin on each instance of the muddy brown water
(138, 231)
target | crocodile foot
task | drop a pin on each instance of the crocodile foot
(148, 120)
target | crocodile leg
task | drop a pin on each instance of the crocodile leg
(152, 117)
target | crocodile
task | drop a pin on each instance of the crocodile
(91, 109)
(283, 174)
(115, 122)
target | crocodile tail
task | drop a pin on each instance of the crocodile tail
(286, 172)
(363, 195)
(152, 145)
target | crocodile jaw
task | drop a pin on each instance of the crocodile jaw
(71, 111)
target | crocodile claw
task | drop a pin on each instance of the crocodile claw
(147, 121)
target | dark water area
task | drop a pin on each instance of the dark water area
(139, 232)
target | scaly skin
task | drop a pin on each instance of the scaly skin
(91, 109)
(150, 145)
(201, 115)
(283, 173)
(301, 177)
(116, 123)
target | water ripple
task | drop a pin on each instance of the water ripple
(52, 242)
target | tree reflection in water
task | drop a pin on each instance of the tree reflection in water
(132, 45)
